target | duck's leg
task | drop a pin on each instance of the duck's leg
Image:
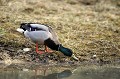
(39, 52)
(47, 50)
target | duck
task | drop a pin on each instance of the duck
(42, 34)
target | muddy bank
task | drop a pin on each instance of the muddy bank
(9, 53)
(12, 54)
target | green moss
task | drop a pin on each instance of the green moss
(2, 31)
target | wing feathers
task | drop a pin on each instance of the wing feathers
(42, 27)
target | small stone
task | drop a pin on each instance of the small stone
(8, 61)
(94, 56)
(26, 49)
(25, 70)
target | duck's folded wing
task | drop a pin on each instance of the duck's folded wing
(54, 35)
(46, 28)
(39, 27)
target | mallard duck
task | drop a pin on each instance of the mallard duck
(43, 35)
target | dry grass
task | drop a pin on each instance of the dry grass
(87, 28)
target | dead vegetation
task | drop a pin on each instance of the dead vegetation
(88, 27)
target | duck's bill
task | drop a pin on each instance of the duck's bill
(75, 58)
(20, 30)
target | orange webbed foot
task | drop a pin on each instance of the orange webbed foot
(47, 50)
(40, 52)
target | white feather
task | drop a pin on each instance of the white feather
(20, 30)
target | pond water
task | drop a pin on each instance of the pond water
(56, 72)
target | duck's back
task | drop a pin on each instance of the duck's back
(40, 27)
(40, 33)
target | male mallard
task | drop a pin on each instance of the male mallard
(44, 35)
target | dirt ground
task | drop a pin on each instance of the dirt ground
(91, 28)
(15, 55)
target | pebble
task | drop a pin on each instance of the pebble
(8, 61)
(94, 56)
(26, 49)
(25, 69)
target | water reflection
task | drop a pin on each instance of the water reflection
(61, 75)
(87, 72)
(106, 73)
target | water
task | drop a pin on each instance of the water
(56, 72)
